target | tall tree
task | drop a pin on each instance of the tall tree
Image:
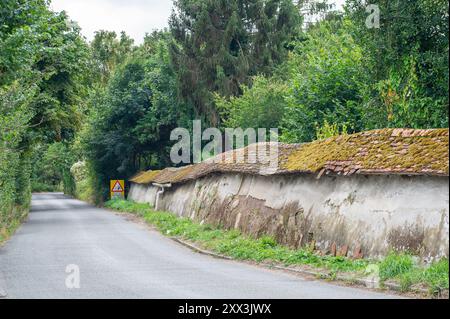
(130, 124)
(109, 51)
(221, 44)
(42, 70)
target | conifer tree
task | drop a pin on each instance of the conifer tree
(220, 44)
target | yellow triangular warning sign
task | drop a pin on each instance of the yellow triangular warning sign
(117, 188)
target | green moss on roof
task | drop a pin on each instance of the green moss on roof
(386, 151)
(380, 151)
(145, 177)
(135, 176)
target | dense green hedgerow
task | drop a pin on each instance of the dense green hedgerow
(14, 190)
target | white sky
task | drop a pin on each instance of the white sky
(135, 17)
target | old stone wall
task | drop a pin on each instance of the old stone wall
(355, 214)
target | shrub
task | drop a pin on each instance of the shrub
(40, 187)
(395, 265)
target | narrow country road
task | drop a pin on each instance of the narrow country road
(118, 258)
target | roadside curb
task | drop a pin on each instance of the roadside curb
(273, 266)
(369, 284)
(359, 281)
(199, 250)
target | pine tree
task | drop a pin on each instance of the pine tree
(220, 44)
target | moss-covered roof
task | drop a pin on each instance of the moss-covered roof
(145, 177)
(386, 151)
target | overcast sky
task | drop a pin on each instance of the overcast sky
(135, 17)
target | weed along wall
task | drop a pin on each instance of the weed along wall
(346, 206)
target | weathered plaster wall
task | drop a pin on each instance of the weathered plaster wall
(374, 213)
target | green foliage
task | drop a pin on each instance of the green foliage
(327, 73)
(11, 221)
(44, 52)
(14, 115)
(436, 276)
(131, 119)
(407, 62)
(13, 199)
(85, 191)
(20, 22)
(220, 44)
(52, 163)
(231, 64)
(395, 265)
(239, 63)
(344, 77)
(22, 179)
(18, 46)
(402, 268)
(64, 72)
(41, 187)
(260, 106)
(329, 130)
(43, 79)
(128, 206)
(83, 182)
(8, 168)
(404, 104)
(108, 52)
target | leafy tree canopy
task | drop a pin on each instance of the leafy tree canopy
(219, 44)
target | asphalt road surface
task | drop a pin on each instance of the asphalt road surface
(119, 258)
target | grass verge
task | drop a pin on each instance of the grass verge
(401, 268)
(9, 225)
(404, 268)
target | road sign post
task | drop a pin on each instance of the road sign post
(117, 188)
